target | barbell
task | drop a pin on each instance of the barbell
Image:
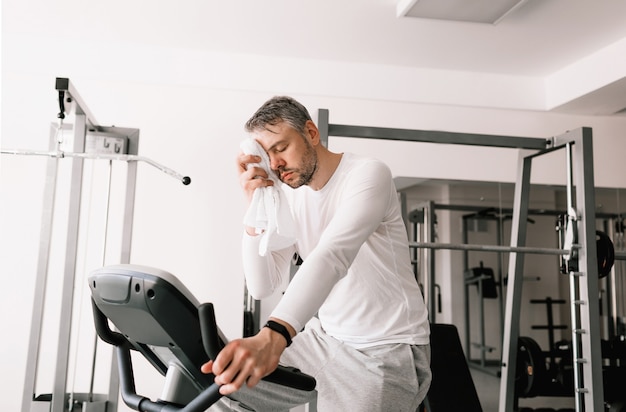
(606, 254)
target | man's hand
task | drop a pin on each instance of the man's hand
(251, 178)
(246, 361)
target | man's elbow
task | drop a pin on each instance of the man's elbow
(259, 292)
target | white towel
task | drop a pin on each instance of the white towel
(269, 211)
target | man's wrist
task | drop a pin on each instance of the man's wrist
(279, 328)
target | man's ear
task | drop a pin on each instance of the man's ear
(313, 131)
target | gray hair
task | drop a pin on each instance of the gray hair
(279, 109)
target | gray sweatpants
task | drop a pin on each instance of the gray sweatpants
(393, 377)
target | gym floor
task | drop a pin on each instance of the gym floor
(488, 389)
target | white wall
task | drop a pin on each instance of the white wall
(190, 107)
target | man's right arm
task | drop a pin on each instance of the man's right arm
(264, 273)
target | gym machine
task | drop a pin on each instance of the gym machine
(579, 249)
(158, 317)
(551, 372)
(488, 282)
(70, 145)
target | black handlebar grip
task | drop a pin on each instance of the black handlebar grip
(283, 375)
(292, 377)
(208, 329)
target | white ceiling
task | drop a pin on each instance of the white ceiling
(539, 39)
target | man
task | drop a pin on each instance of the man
(368, 347)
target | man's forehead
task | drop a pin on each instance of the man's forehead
(274, 134)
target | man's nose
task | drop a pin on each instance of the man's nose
(276, 162)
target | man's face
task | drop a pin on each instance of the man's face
(292, 156)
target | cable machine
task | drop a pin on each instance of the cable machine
(579, 249)
(87, 140)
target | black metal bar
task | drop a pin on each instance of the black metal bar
(490, 248)
(434, 136)
(508, 211)
(322, 125)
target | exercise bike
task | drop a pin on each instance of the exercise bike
(156, 315)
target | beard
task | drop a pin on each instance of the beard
(304, 173)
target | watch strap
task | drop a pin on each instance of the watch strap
(277, 327)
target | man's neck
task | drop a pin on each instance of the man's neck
(326, 166)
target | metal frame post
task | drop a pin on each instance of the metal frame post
(466, 297)
(69, 272)
(591, 392)
(514, 285)
(429, 261)
(45, 240)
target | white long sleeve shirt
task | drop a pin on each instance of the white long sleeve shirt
(356, 273)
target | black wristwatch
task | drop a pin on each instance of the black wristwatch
(277, 327)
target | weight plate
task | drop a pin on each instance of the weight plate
(531, 372)
(605, 253)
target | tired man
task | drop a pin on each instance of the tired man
(353, 316)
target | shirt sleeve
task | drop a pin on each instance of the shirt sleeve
(264, 273)
(362, 208)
